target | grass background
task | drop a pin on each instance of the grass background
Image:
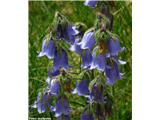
(41, 14)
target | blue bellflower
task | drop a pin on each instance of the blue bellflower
(88, 41)
(54, 87)
(98, 62)
(48, 49)
(42, 103)
(86, 59)
(114, 46)
(60, 61)
(62, 107)
(67, 33)
(91, 3)
(71, 32)
(81, 88)
(113, 74)
(76, 47)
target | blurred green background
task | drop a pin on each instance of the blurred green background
(41, 15)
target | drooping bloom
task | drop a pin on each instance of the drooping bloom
(67, 33)
(87, 115)
(54, 87)
(76, 47)
(88, 41)
(91, 3)
(81, 88)
(96, 94)
(113, 74)
(60, 60)
(114, 46)
(86, 59)
(48, 48)
(41, 103)
(98, 62)
(71, 32)
(62, 107)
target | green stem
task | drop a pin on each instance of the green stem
(115, 117)
(51, 116)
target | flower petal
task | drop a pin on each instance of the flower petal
(91, 3)
(54, 88)
(66, 109)
(114, 46)
(76, 47)
(98, 62)
(88, 41)
(58, 108)
(82, 88)
(86, 59)
(48, 49)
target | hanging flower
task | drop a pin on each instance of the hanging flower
(86, 59)
(41, 103)
(60, 60)
(76, 47)
(88, 41)
(67, 33)
(54, 87)
(81, 88)
(71, 32)
(98, 62)
(62, 107)
(91, 3)
(48, 48)
(113, 74)
(114, 46)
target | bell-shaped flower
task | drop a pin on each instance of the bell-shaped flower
(81, 88)
(60, 61)
(87, 115)
(71, 32)
(54, 87)
(88, 41)
(48, 48)
(67, 33)
(96, 94)
(41, 103)
(113, 74)
(86, 59)
(76, 47)
(91, 3)
(98, 62)
(62, 107)
(114, 46)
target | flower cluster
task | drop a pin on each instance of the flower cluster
(52, 48)
(98, 49)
